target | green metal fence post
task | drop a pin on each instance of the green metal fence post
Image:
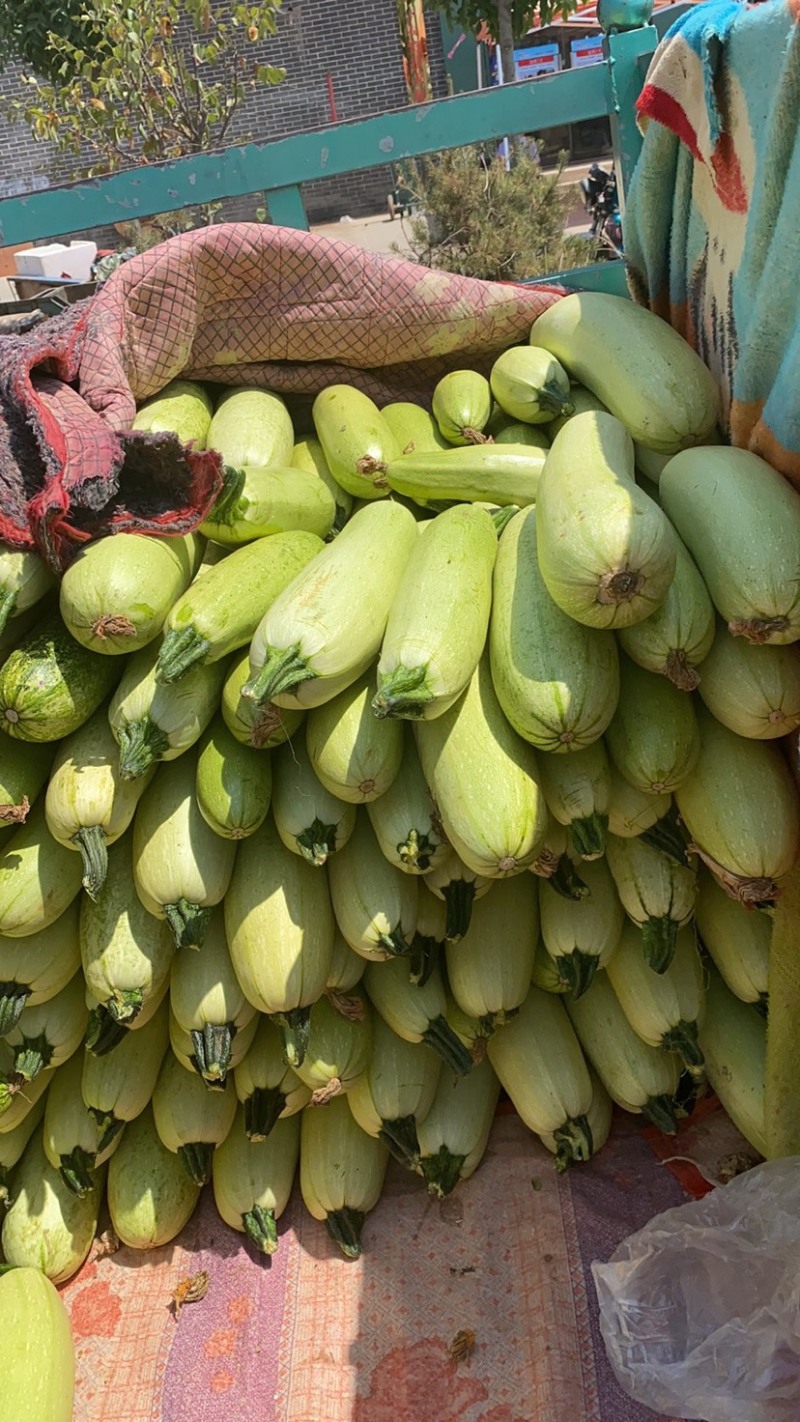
(627, 58)
(286, 208)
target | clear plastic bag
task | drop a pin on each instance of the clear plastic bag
(700, 1310)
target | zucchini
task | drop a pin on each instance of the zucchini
(38, 878)
(554, 862)
(430, 936)
(341, 1172)
(355, 438)
(257, 724)
(375, 904)
(346, 970)
(581, 934)
(267, 1088)
(354, 754)
(47, 1034)
(277, 898)
(117, 1087)
(581, 400)
(155, 722)
(462, 404)
(151, 1198)
(489, 970)
(338, 1049)
(220, 613)
(540, 1064)
(632, 812)
(116, 594)
(50, 685)
(190, 1120)
(24, 581)
(484, 779)
(440, 616)
(736, 939)
(17, 628)
(24, 771)
(740, 520)
(182, 408)
(395, 1092)
(531, 385)
(104, 1033)
(413, 427)
(676, 638)
(733, 1040)
(754, 691)
(192, 1057)
(416, 1012)
(653, 738)
(459, 887)
(47, 1227)
(35, 968)
(656, 893)
(126, 954)
(180, 866)
(253, 1180)
(271, 501)
(13, 1142)
(664, 1009)
(643, 371)
(405, 821)
(309, 819)
(72, 1134)
(468, 1030)
(740, 807)
(556, 680)
(251, 429)
(501, 429)
(234, 784)
(323, 630)
(577, 790)
(640, 1078)
(606, 551)
(88, 805)
(454, 1133)
(487, 473)
(546, 973)
(15, 1105)
(208, 1003)
(309, 455)
(599, 1118)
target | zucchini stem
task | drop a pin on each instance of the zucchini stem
(442, 1172)
(104, 1032)
(575, 1143)
(550, 397)
(295, 1027)
(108, 1125)
(224, 510)
(281, 672)
(666, 835)
(13, 997)
(659, 936)
(317, 842)
(660, 1112)
(32, 1056)
(195, 1158)
(403, 694)
(260, 1226)
(679, 671)
(588, 835)
(126, 1004)
(91, 841)
(141, 744)
(77, 1171)
(8, 601)
(400, 1135)
(459, 896)
(683, 1039)
(180, 651)
(578, 969)
(261, 1110)
(394, 943)
(212, 1051)
(440, 1036)
(189, 923)
(344, 1227)
(424, 957)
(567, 881)
(501, 517)
(417, 850)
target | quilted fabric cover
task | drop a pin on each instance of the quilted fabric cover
(236, 304)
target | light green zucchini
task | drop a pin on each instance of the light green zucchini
(558, 864)
(546, 973)
(375, 904)
(736, 939)
(13, 1143)
(582, 934)
(151, 1198)
(234, 783)
(356, 440)
(309, 819)
(104, 1034)
(38, 878)
(557, 681)
(341, 1172)
(577, 789)
(581, 400)
(355, 755)
(631, 811)
(309, 455)
(50, 685)
(46, 1034)
(416, 1011)
(413, 427)
(220, 613)
(490, 969)
(640, 1078)
(279, 499)
(182, 408)
(47, 1227)
(530, 385)
(599, 1118)
(257, 724)
(253, 1180)
(740, 520)
(395, 1092)
(656, 893)
(454, 1133)
(191, 1121)
(278, 898)
(502, 429)
(15, 1105)
(733, 1040)
(664, 1009)
(440, 616)
(458, 886)
(754, 691)
(181, 867)
(208, 1002)
(117, 593)
(267, 1088)
(338, 1048)
(71, 1134)
(606, 551)
(676, 638)
(324, 629)
(117, 1087)
(653, 738)
(251, 429)
(346, 970)
(643, 371)
(462, 404)
(154, 722)
(430, 936)
(35, 968)
(740, 808)
(24, 771)
(487, 473)
(24, 581)
(484, 780)
(193, 1058)
(404, 818)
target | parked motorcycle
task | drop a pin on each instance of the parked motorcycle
(601, 201)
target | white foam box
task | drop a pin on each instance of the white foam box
(56, 260)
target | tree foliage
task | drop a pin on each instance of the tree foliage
(480, 220)
(25, 27)
(472, 15)
(162, 79)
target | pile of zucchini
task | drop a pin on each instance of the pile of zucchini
(442, 759)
